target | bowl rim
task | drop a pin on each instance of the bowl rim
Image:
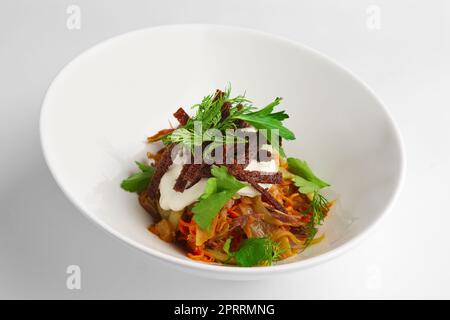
(212, 269)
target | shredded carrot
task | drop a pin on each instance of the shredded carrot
(209, 255)
(183, 226)
(283, 164)
(200, 255)
(287, 199)
(306, 218)
(291, 199)
(160, 133)
(248, 231)
(294, 195)
(192, 227)
(152, 229)
(233, 213)
(292, 211)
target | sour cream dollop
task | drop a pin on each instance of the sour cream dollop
(268, 167)
(176, 201)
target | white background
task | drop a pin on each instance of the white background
(406, 62)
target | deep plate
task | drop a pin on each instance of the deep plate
(101, 107)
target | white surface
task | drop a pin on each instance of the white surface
(91, 135)
(405, 62)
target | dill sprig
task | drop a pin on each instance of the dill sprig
(318, 209)
(309, 184)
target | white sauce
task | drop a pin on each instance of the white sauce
(176, 201)
(268, 166)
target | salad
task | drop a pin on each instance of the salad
(222, 186)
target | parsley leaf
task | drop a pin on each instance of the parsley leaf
(305, 186)
(225, 181)
(138, 182)
(254, 251)
(145, 167)
(218, 191)
(210, 188)
(301, 169)
(207, 208)
(265, 119)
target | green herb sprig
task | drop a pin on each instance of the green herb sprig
(138, 182)
(318, 208)
(254, 251)
(220, 188)
(301, 169)
(209, 114)
(308, 183)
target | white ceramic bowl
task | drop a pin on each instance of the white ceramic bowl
(102, 105)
